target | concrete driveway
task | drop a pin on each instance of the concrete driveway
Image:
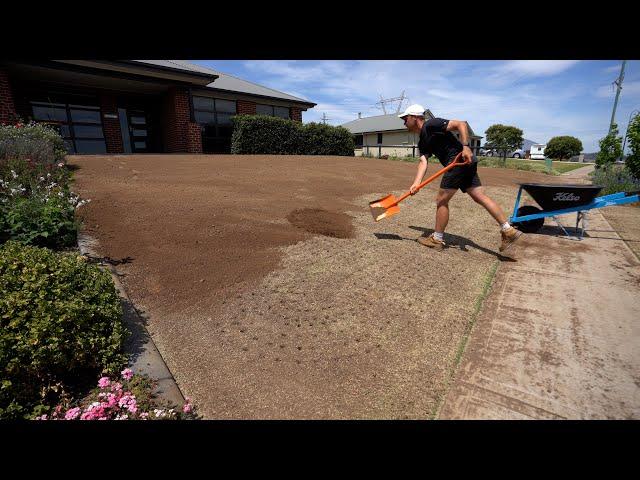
(558, 335)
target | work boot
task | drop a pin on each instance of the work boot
(431, 242)
(509, 237)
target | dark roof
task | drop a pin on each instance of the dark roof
(225, 82)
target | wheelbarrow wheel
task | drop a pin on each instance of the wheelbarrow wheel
(529, 226)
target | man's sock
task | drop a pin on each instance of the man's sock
(505, 226)
(439, 236)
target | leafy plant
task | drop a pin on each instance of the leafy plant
(38, 142)
(260, 134)
(60, 318)
(610, 148)
(614, 178)
(563, 147)
(633, 160)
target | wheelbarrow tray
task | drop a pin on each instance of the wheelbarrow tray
(553, 197)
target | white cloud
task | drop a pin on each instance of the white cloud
(535, 68)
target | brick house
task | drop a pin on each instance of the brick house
(136, 106)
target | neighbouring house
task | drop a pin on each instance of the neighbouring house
(387, 135)
(136, 106)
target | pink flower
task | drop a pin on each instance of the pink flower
(116, 387)
(127, 373)
(73, 414)
(144, 415)
(104, 382)
(43, 417)
(187, 408)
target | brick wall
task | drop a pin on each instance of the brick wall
(111, 126)
(194, 138)
(246, 108)
(181, 135)
(296, 114)
(7, 107)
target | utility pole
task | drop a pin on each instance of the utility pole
(324, 118)
(619, 85)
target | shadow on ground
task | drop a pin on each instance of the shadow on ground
(452, 241)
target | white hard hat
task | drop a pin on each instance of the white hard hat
(415, 109)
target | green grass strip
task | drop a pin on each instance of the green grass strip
(488, 281)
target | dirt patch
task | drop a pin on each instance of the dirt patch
(258, 316)
(322, 222)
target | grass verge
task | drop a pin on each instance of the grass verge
(557, 168)
(488, 281)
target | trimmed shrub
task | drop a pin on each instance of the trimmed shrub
(35, 141)
(260, 134)
(563, 147)
(60, 321)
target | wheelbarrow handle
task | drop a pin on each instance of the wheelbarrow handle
(454, 163)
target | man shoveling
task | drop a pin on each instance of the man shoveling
(436, 138)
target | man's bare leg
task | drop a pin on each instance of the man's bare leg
(442, 209)
(435, 240)
(509, 234)
(478, 195)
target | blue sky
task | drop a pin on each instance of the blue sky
(544, 98)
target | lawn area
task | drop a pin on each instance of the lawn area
(512, 163)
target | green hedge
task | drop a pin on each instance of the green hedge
(261, 134)
(60, 321)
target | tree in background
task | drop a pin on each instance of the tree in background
(610, 148)
(504, 138)
(563, 147)
(633, 160)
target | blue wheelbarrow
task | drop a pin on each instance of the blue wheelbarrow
(559, 199)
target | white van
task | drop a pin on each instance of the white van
(537, 151)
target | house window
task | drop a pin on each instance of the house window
(214, 117)
(77, 119)
(379, 139)
(358, 139)
(273, 111)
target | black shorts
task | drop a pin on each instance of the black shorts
(461, 177)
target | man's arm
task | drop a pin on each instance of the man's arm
(422, 169)
(462, 127)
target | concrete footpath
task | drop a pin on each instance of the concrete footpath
(559, 332)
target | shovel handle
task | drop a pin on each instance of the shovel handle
(454, 163)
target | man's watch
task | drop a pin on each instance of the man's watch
(466, 145)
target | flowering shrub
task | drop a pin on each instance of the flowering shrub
(36, 141)
(128, 398)
(37, 206)
(614, 179)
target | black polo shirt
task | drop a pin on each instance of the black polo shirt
(435, 140)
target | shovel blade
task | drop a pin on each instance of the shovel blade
(384, 207)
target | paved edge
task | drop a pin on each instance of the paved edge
(144, 357)
(489, 282)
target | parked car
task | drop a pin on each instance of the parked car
(492, 152)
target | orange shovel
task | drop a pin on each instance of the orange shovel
(387, 206)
